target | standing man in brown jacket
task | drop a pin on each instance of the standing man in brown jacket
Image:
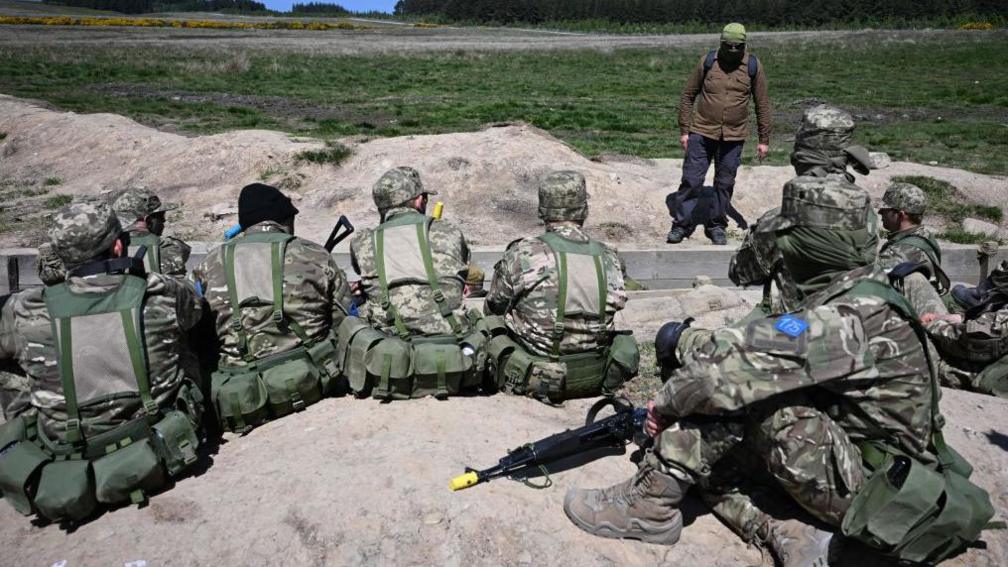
(721, 85)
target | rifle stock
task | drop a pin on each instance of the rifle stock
(335, 237)
(614, 431)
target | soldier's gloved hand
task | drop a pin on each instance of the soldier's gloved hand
(665, 346)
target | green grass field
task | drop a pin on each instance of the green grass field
(934, 98)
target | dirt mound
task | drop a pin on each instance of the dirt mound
(350, 482)
(487, 179)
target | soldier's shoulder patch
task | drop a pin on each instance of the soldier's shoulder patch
(791, 325)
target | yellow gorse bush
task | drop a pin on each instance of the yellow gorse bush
(977, 26)
(159, 23)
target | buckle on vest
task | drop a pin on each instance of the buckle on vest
(235, 323)
(73, 433)
(558, 329)
(278, 317)
(438, 296)
(151, 408)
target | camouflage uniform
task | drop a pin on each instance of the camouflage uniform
(316, 295)
(48, 266)
(822, 146)
(792, 398)
(81, 232)
(133, 206)
(526, 280)
(414, 302)
(915, 244)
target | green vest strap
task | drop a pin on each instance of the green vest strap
(152, 259)
(933, 252)
(386, 303)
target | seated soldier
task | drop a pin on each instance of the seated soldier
(902, 210)
(142, 215)
(559, 293)
(837, 400)
(974, 345)
(276, 300)
(413, 270)
(114, 407)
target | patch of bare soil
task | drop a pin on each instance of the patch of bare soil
(487, 179)
(352, 482)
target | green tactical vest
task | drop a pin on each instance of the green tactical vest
(909, 509)
(582, 287)
(273, 386)
(152, 258)
(412, 264)
(102, 360)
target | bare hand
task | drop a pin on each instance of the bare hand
(762, 150)
(654, 423)
(931, 317)
(684, 141)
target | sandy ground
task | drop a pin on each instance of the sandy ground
(350, 482)
(487, 179)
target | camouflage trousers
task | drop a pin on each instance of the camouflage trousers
(796, 448)
(922, 295)
(15, 394)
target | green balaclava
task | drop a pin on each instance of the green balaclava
(826, 228)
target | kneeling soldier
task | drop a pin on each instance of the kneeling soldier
(277, 300)
(558, 293)
(114, 409)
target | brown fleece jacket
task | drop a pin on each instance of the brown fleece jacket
(722, 110)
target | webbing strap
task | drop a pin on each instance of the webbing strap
(561, 312)
(386, 303)
(900, 303)
(152, 259)
(442, 379)
(137, 357)
(278, 251)
(236, 324)
(931, 250)
(73, 432)
(432, 280)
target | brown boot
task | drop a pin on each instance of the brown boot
(797, 544)
(643, 507)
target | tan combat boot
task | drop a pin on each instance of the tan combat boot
(797, 544)
(643, 507)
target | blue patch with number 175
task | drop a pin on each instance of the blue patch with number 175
(791, 326)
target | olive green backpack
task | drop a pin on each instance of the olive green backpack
(911, 509)
(63, 475)
(270, 387)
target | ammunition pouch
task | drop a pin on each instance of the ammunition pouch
(555, 379)
(272, 387)
(388, 367)
(66, 482)
(915, 511)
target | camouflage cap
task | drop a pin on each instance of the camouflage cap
(396, 186)
(475, 277)
(825, 128)
(83, 230)
(905, 197)
(136, 203)
(563, 196)
(822, 202)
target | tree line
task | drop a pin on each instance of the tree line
(320, 8)
(763, 12)
(148, 6)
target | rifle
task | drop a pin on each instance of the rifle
(335, 237)
(614, 431)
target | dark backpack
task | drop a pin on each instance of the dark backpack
(712, 57)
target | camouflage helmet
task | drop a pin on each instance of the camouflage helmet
(905, 197)
(83, 230)
(563, 197)
(822, 202)
(137, 203)
(396, 186)
(823, 142)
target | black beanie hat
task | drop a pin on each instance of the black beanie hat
(259, 202)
